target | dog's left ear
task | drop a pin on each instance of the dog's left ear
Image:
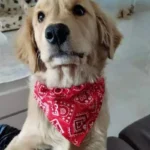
(25, 45)
(109, 35)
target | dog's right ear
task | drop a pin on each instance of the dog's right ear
(110, 37)
(25, 44)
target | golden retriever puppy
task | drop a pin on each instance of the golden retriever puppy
(66, 44)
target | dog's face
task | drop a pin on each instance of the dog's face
(67, 33)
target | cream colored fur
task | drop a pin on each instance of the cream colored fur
(93, 34)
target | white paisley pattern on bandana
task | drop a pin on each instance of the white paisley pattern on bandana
(72, 111)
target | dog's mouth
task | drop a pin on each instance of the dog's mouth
(66, 58)
(62, 54)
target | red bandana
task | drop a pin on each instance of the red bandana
(72, 111)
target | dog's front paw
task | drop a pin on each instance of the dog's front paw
(11, 148)
(12, 144)
(15, 144)
(18, 148)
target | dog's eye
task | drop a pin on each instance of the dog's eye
(41, 16)
(79, 10)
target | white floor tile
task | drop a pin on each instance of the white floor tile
(128, 75)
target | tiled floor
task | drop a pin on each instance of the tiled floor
(128, 75)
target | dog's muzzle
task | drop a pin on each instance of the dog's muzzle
(57, 35)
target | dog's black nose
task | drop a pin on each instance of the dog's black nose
(57, 33)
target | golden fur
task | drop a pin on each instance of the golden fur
(93, 34)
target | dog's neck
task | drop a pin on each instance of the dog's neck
(68, 76)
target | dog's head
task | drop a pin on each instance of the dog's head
(73, 36)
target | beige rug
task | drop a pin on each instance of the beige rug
(11, 14)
